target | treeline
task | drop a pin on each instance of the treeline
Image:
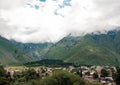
(54, 63)
(49, 62)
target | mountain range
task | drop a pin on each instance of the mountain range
(36, 50)
(90, 49)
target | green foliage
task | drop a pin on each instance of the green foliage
(26, 76)
(116, 76)
(10, 54)
(87, 73)
(104, 73)
(31, 75)
(95, 75)
(59, 77)
(48, 62)
(2, 71)
(32, 82)
(91, 49)
(79, 73)
(4, 81)
(94, 83)
(63, 78)
(102, 49)
(3, 77)
(36, 50)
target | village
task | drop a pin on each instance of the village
(101, 74)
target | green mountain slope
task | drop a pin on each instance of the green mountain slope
(91, 49)
(11, 55)
(36, 50)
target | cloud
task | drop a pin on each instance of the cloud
(54, 19)
(8, 4)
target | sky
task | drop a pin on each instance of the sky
(39, 21)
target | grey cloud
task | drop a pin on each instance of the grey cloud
(109, 8)
(104, 16)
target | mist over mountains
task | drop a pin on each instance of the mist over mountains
(51, 20)
(91, 49)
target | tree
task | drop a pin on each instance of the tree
(26, 76)
(3, 76)
(31, 74)
(95, 75)
(2, 71)
(63, 78)
(104, 73)
(116, 76)
(87, 73)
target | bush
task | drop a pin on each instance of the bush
(116, 76)
(3, 77)
(104, 73)
(95, 75)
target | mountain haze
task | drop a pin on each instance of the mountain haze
(90, 49)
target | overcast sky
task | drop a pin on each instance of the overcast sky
(51, 20)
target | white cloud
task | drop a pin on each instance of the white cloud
(27, 24)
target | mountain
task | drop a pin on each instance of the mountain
(36, 50)
(91, 49)
(11, 55)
